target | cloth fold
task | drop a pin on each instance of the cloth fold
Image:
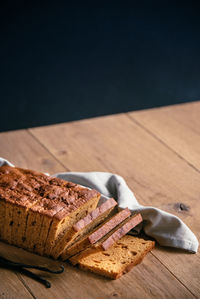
(165, 228)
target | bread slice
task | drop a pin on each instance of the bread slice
(83, 226)
(119, 232)
(114, 235)
(36, 209)
(96, 235)
(118, 259)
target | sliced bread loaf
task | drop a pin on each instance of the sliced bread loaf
(96, 235)
(114, 235)
(118, 259)
(36, 208)
(83, 226)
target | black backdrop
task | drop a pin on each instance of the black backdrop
(63, 62)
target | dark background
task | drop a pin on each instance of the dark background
(63, 62)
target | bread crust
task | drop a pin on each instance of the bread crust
(83, 226)
(130, 223)
(43, 203)
(110, 203)
(108, 226)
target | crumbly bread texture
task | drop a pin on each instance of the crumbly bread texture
(35, 208)
(96, 234)
(117, 260)
(84, 226)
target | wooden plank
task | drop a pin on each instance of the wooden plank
(158, 176)
(66, 284)
(11, 287)
(141, 282)
(177, 126)
(21, 149)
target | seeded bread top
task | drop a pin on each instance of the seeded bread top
(44, 194)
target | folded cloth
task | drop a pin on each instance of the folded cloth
(165, 228)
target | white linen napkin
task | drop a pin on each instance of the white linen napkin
(165, 228)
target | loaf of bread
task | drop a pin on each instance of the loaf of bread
(53, 217)
(83, 226)
(96, 235)
(117, 260)
(35, 209)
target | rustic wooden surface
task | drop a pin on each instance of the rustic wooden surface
(157, 151)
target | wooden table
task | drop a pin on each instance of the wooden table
(158, 153)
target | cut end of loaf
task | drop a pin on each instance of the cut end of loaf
(91, 238)
(83, 226)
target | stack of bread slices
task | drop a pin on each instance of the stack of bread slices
(60, 219)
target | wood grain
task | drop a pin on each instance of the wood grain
(11, 287)
(130, 151)
(177, 126)
(21, 149)
(67, 282)
(157, 175)
(93, 286)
